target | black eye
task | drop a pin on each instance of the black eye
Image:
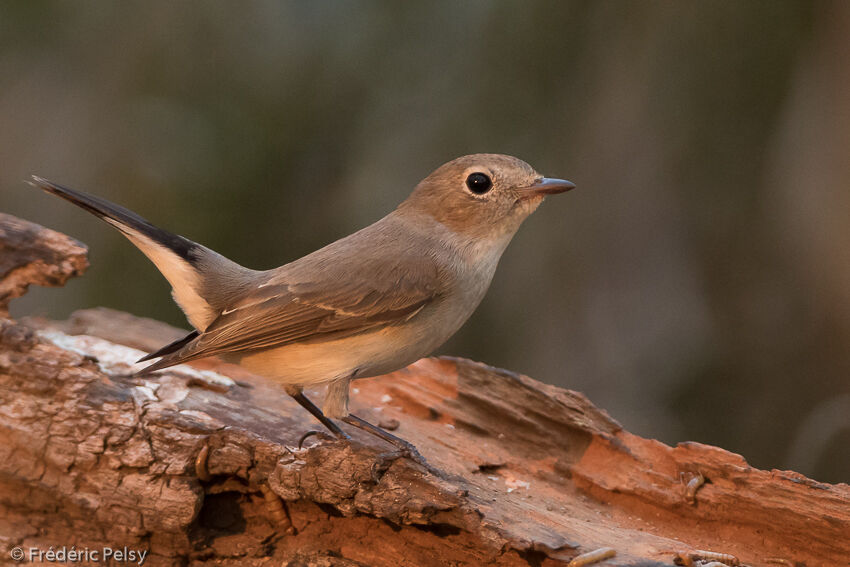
(479, 183)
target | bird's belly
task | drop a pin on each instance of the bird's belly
(368, 354)
(360, 356)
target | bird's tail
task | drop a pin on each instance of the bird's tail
(200, 278)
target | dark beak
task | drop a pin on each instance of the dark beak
(546, 186)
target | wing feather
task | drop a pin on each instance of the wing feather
(293, 305)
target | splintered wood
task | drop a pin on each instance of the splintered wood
(528, 474)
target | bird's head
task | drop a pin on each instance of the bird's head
(482, 195)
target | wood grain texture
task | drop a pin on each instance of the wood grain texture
(31, 254)
(205, 474)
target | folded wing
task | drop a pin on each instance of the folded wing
(314, 300)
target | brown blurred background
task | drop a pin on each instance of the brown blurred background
(697, 284)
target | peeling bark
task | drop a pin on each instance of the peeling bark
(31, 254)
(201, 469)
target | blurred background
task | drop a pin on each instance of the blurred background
(696, 284)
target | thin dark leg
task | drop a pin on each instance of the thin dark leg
(305, 403)
(405, 446)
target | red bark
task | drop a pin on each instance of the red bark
(200, 470)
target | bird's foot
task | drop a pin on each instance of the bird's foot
(321, 435)
(384, 460)
(404, 448)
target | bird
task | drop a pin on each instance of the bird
(365, 305)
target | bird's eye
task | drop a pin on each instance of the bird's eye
(479, 183)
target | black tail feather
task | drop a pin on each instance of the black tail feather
(106, 210)
(171, 359)
(171, 347)
(158, 365)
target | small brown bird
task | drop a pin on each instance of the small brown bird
(365, 305)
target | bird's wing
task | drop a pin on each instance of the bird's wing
(325, 301)
(292, 312)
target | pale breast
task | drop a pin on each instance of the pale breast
(360, 356)
(392, 347)
(369, 354)
(316, 363)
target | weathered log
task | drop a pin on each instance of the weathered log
(31, 254)
(196, 469)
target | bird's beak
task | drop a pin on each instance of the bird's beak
(546, 186)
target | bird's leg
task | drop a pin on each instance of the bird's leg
(305, 403)
(336, 405)
(404, 446)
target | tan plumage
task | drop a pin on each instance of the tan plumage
(367, 304)
(357, 290)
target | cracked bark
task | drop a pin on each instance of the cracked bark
(200, 470)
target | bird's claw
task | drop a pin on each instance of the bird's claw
(408, 451)
(313, 433)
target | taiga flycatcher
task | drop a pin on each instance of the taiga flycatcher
(367, 304)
